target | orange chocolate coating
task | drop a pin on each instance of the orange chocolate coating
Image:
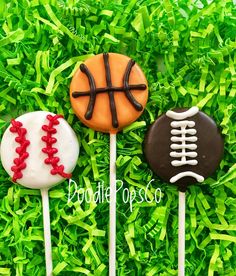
(102, 118)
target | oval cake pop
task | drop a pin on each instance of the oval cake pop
(183, 146)
(108, 92)
(39, 150)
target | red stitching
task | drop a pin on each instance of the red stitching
(19, 162)
(49, 150)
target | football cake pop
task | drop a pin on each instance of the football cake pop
(39, 150)
(108, 92)
(183, 147)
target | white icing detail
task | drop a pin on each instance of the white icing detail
(184, 142)
(180, 139)
(183, 146)
(176, 124)
(182, 115)
(190, 131)
(177, 163)
(176, 154)
(37, 174)
(175, 178)
(185, 127)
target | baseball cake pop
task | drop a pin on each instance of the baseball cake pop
(183, 147)
(39, 150)
(108, 92)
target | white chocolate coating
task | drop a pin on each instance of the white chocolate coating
(37, 174)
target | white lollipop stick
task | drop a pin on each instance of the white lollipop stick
(181, 240)
(47, 232)
(112, 223)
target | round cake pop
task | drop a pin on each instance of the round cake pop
(183, 146)
(39, 150)
(108, 92)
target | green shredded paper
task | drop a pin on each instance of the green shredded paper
(187, 52)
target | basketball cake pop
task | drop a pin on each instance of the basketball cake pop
(108, 92)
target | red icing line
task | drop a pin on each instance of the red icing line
(49, 150)
(19, 162)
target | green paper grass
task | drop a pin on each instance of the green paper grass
(187, 51)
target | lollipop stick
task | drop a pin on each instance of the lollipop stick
(47, 232)
(112, 224)
(181, 255)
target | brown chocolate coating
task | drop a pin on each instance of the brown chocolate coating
(157, 149)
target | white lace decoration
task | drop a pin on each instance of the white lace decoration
(181, 128)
